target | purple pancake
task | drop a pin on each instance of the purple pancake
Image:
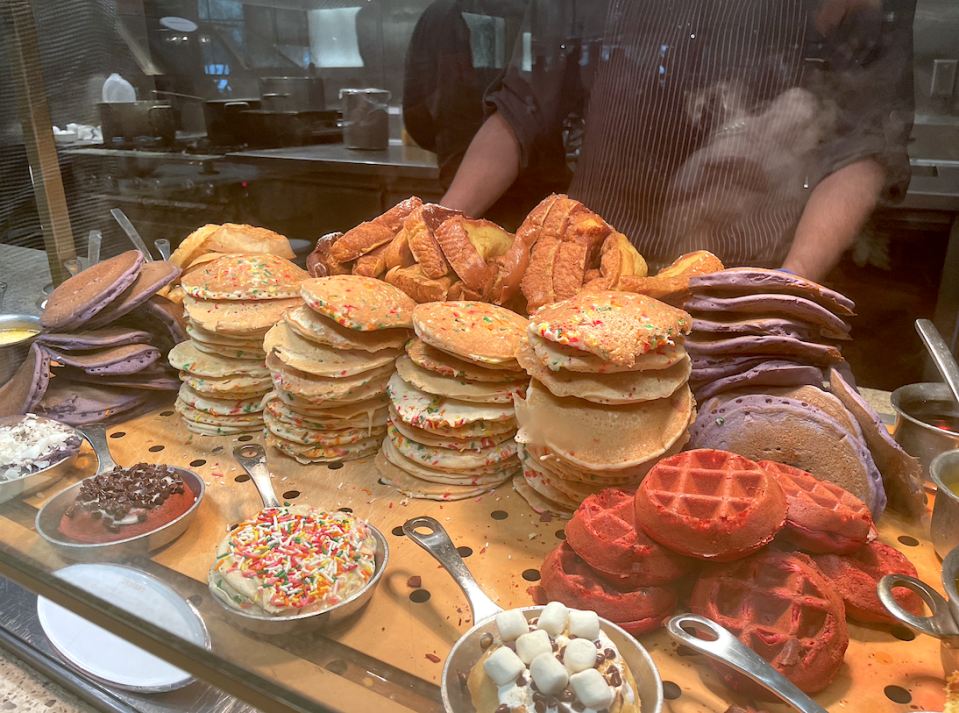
(762, 427)
(153, 378)
(161, 314)
(153, 277)
(901, 473)
(80, 404)
(95, 339)
(769, 373)
(756, 326)
(115, 360)
(770, 347)
(21, 394)
(752, 280)
(85, 295)
(789, 306)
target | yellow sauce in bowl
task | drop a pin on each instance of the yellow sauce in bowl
(12, 336)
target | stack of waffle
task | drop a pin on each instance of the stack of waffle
(231, 303)
(452, 422)
(608, 397)
(330, 363)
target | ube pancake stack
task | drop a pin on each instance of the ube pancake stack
(608, 397)
(330, 361)
(231, 303)
(755, 328)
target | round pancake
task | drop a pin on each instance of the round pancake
(770, 374)
(325, 454)
(622, 388)
(439, 362)
(559, 356)
(788, 306)
(156, 377)
(822, 400)
(437, 441)
(756, 326)
(476, 331)
(284, 414)
(617, 327)
(160, 311)
(218, 350)
(79, 404)
(311, 358)
(753, 280)
(484, 475)
(478, 429)
(245, 277)
(202, 336)
(451, 460)
(218, 407)
(423, 489)
(356, 302)
(419, 408)
(313, 388)
(573, 489)
(186, 357)
(128, 359)
(21, 394)
(473, 392)
(768, 347)
(323, 437)
(153, 277)
(548, 492)
(197, 416)
(226, 386)
(537, 501)
(566, 471)
(95, 338)
(239, 318)
(601, 437)
(206, 429)
(333, 410)
(322, 330)
(91, 291)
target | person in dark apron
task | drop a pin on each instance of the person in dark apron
(765, 131)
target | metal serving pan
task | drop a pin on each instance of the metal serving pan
(42, 479)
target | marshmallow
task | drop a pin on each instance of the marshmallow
(512, 624)
(591, 689)
(584, 624)
(580, 655)
(503, 666)
(553, 618)
(531, 645)
(548, 674)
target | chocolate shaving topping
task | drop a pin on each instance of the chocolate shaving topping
(615, 679)
(463, 679)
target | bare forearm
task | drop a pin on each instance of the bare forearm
(489, 168)
(838, 208)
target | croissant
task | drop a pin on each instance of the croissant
(368, 236)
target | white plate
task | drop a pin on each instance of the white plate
(105, 656)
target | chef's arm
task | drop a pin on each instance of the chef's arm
(490, 166)
(838, 208)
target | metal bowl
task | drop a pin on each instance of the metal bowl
(13, 355)
(917, 437)
(277, 625)
(40, 480)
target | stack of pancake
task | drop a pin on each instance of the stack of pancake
(330, 362)
(608, 397)
(102, 344)
(452, 422)
(231, 303)
(755, 327)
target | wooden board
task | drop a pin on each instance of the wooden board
(392, 653)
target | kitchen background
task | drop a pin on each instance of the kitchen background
(286, 168)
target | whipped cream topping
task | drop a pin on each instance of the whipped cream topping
(29, 444)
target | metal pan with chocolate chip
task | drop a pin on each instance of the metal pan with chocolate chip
(539, 659)
(120, 512)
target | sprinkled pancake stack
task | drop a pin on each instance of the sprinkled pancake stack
(452, 422)
(608, 397)
(231, 303)
(330, 362)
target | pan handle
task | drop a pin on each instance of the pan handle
(939, 624)
(253, 459)
(439, 544)
(96, 434)
(731, 651)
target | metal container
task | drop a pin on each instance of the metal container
(253, 459)
(41, 479)
(48, 519)
(125, 122)
(467, 651)
(918, 438)
(13, 355)
(225, 120)
(944, 528)
(283, 94)
(366, 119)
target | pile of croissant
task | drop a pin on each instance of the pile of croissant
(435, 254)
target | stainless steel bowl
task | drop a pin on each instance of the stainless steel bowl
(13, 355)
(40, 480)
(944, 527)
(917, 437)
(48, 519)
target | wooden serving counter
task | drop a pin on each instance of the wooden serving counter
(390, 656)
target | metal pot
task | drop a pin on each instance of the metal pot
(225, 120)
(13, 355)
(366, 119)
(913, 404)
(944, 527)
(283, 94)
(127, 121)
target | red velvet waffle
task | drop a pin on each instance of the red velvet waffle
(781, 606)
(710, 504)
(821, 517)
(567, 579)
(603, 533)
(855, 577)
